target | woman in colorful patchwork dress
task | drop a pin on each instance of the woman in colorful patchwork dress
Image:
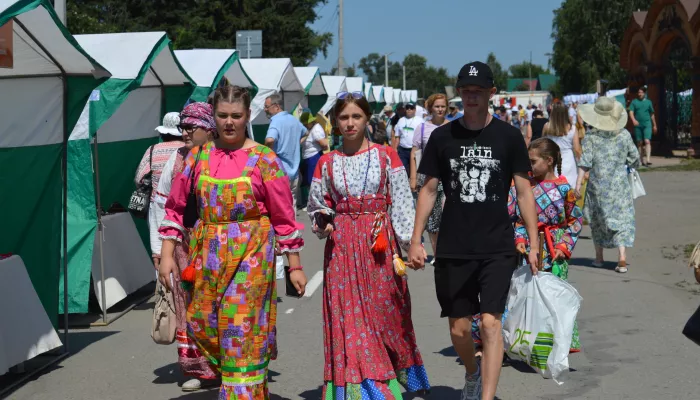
(243, 210)
(361, 201)
(198, 127)
(559, 216)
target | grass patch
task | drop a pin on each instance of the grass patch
(685, 165)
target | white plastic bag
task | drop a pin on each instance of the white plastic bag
(542, 310)
(636, 185)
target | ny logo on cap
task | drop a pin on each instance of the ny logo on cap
(473, 71)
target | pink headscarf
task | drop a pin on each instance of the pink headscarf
(200, 115)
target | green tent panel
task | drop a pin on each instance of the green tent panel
(119, 120)
(50, 77)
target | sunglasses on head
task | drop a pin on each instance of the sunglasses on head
(355, 95)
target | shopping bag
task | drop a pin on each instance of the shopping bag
(636, 184)
(692, 327)
(542, 310)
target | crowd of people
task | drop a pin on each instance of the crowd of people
(483, 184)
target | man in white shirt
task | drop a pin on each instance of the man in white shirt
(403, 135)
(528, 113)
(572, 113)
(421, 112)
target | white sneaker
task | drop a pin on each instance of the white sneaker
(472, 386)
(195, 384)
(192, 385)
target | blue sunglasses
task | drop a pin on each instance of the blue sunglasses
(355, 95)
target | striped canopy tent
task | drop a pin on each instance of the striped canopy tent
(209, 67)
(315, 94)
(45, 78)
(334, 85)
(379, 101)
(271, 75)
(116, 127)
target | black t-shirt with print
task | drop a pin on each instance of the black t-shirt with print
(476, 169)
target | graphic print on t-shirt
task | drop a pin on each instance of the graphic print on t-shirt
(471, 173)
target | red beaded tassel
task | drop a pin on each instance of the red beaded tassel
(380, 241)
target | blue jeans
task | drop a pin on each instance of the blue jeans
(405, 156)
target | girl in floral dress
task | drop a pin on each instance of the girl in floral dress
(361, 201)
(559, 216)
(244, 211)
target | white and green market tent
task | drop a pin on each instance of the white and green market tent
(334, 85)
(315, 94)
(44, 81)
(397, 97)
(413, 96)
(369, 92)
(271, 75)
(116, 127)
(379, 101)
(406, 96)
(389, 96)
(355, 84)
(208, 67)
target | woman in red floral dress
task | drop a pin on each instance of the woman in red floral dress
(361, 201)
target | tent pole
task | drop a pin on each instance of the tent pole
(100, 229)
(64, 167)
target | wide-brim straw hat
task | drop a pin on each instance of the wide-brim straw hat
(607, 114)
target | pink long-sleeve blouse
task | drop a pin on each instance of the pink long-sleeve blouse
(270, 188)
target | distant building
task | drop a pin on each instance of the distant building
(661, 50)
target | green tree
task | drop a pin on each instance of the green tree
(526, 70)
(500, 76)
(587, 36)
(350, 72)
(419, 75)
(209, 24)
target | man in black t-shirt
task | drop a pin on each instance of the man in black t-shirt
(476, 158)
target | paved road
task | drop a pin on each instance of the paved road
(630, 328)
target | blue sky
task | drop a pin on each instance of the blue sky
(449, 33)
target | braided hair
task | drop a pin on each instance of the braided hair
(548, 148)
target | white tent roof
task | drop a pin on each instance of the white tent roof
(310, 79)
(378, 92)
(354, 84)
(389, 95)
(406, 96)
(204, 66)
(397, 96)
(61, 49)
(414, 95)
(334, 85)
(272, 75)
(125, 54)
(369, 93)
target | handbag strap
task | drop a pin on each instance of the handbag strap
(422, 133)
(150, 159)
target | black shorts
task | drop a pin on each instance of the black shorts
(468, 287)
